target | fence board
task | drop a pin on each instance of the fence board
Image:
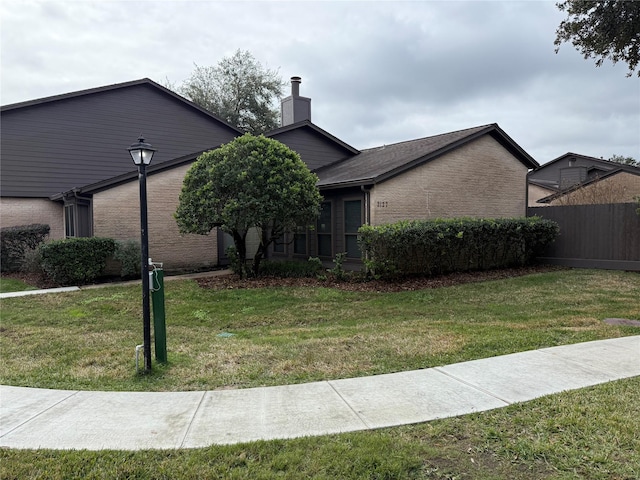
(594, 236)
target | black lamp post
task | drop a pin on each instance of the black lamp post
(142, 153)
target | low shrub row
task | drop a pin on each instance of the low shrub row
(76, 260)
(433, 247)
(16, 241)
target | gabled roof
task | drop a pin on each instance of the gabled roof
(375, 165)
(59, 143)
(573, 188)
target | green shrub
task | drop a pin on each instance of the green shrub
(338, 269)
(15, 242)
(290, 268)
(32, 262)
(449, 245)
(128, 254)
(76, 260)
(237, 266)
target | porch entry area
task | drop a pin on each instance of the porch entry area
(336, 231)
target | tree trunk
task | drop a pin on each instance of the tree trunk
(240, 242)
(262, 251)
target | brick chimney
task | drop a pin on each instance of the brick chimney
(294, 107)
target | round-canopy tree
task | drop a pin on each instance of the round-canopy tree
(239, 90)
(251, 182)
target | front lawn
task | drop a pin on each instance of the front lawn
(86, 339)
(8, 284)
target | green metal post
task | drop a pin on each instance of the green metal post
(159, 327)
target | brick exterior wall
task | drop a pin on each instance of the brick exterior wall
(25, 211)
(480, 179)
(116, 214)
(536, 193)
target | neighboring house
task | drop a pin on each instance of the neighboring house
(65, 163)
(573, 179)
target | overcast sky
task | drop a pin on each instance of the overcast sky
(377, 72)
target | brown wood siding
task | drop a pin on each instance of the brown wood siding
(55, 146)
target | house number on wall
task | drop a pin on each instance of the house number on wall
(383, 204)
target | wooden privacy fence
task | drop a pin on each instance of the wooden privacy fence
(594, 236)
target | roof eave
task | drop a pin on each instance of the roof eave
(345, 184)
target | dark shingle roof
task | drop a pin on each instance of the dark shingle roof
(381, 163)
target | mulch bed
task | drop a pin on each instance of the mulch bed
(357, 284)
(353, 284)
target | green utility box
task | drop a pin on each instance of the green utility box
(159, 325)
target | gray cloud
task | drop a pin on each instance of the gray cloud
(377, 72)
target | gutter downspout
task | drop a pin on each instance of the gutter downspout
(366, 189)
(526, 194)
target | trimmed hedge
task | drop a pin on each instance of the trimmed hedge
(16, 241)
(434, 247)
(76, 261)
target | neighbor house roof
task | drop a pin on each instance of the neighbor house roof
(548, 175)
(374, 165)
(55, 144)
(573, 188)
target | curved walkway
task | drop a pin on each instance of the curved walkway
(60, 419)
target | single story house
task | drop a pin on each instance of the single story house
(65, 163)
(580, 179)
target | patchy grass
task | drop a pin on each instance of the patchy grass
(591, 434)
(86, 339)
(13, 285)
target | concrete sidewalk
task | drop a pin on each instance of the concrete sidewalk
(57, 419)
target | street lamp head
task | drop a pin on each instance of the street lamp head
(141, 152)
